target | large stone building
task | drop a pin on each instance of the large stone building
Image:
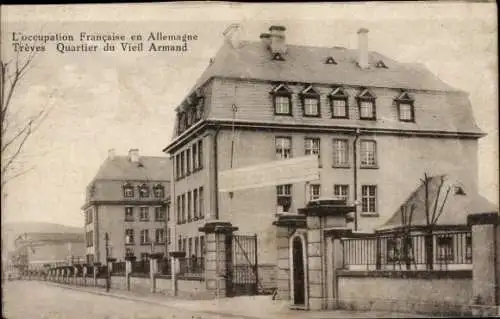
(128, 199)
(376, 124)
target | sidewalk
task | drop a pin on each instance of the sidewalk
(244, 307)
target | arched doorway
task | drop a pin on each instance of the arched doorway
(298, 272)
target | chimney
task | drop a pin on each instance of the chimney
(133, 155)
(232, 35)
(265, 38)
(278, 43)
(111, 153)
(363, 48)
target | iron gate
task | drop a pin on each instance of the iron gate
(241, 258)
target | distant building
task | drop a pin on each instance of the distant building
(128, 199)
(34, 250)
(376, 125)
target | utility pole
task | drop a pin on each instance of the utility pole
(108, 273)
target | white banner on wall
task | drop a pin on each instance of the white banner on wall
(272, 173)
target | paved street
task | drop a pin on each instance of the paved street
(31, 299)
(44, 300)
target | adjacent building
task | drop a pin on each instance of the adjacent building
(128, 200)
(376, 125)
(33, 250)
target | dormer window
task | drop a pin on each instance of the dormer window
(310, 102)
(128, 190)
(366, 104)
(200, 107)
(406, 110)
(282, 100)
(143, 191)
(278, 57)
(330, 60)
(380, 64)
(338, 103)
(159, 191)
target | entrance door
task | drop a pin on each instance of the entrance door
(298, 272)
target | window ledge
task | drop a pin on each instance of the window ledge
(283, 114)
(129, 244)
(144, 220)
(146, 244)
(368, 118)
(312, 115)
(341, 166)
(369, 167)
(407, 121)
(369, 214)
(129, 220)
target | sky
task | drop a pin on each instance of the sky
(123, 100)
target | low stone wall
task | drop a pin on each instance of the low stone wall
(268, 277)
(140, 283)
(429, 292)
(164, 285)
(192, 289)
(119, 282)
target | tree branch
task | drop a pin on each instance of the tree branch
(436, 200)
(441, 209)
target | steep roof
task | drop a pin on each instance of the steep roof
(148, 168)
(307, 64)
(459, 204)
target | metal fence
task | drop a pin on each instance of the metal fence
(118, 268)
(140, 266)
(192, 267)
(165, 266)
(409, 251)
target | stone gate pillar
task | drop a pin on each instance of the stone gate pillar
(286, 225)
(321, 217)
(486, 260)
(129, 259)
(217, 232)
(153, 269)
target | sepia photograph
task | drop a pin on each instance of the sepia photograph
(199, 160)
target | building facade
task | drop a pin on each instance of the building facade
(375, 124)
(128, 200)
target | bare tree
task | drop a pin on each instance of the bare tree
(15, 132)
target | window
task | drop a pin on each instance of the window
(283, 147)
(195, 204)
(129, 214)
(200, 107)
(183, 167)
(167, 211)
(183, 207)
(195, 156)
(159, 191)
(129, 252)
(144, 256)
(369, 199)
(128, 191)
(200, 154)
(368, 150)
(282, 100)
(143, 191)
(468, 248)
(184, 245)
(88, 216)
(330, 60)
(160, 236)
(312, 146)
(284, 197)
(196, 246)
(178, 166)
(340, 153)
(90, 238)
(189, 206)
(168, 236)
(445, 248)
(179, 244)
(366, 103)
(129, 236)
(178, 204)
(314, 191)
(310, 102)
(338, 103)
(200, 194)
(160, 213)
(406, 109)
(145, 236)
(188, 161)
(144, 214)
(190, 247)
(202, 245)
(341, 191)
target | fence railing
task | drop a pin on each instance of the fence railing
(192, 267)
(409, 251)
(118, 268)
(165, 266)
(140, 266)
